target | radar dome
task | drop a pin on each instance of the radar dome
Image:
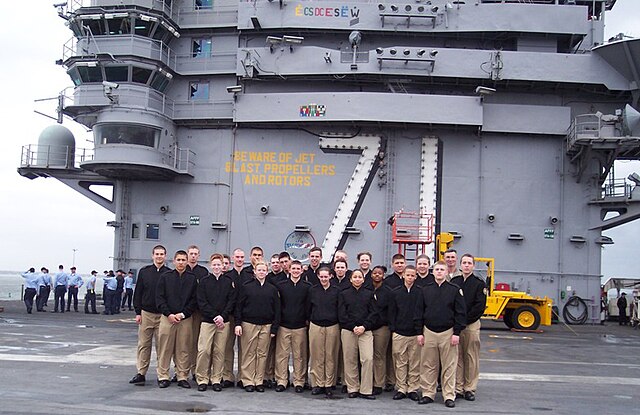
(56, 147)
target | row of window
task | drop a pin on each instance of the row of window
(126, 134)
(152, 231)
(91, 72)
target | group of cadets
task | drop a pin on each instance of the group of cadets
(38, 287)
(412, 329)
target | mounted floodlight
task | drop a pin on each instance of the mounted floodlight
(111, 85)
(274, 40)
(448, 6)
(292, 40)
(433, 53)
(421, 52)
(234, 89)
(255, 22)
(393, 51)
(634, 177)
(354, 38)
(434, 9)
(484, 90)
(394, 7)
(379, 51)
(406, 52)
(58, 5)
(407, 8)
(381, 7)
(327, 57)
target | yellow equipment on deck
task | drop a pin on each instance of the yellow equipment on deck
(518, 309)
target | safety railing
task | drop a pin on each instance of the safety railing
(54, 156)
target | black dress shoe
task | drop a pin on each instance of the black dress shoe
(459, 395)
(226, 384)
(202, 387)
(469, 396)
(317, 391)
(377, 390)
(280, 388)
(138, 379)
(329, 393)
(369, 397)
(298, 389)
(389, 387)
(216, 387)
(184, 384)
(398, 396)
(449, 403)
(174, 379)
(425, 400)
(260, 388)
(249, 388)
(239, 384)
(163, 384)
(344, 388)
(353, 394)
(414, 396)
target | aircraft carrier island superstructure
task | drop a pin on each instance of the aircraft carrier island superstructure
(288, 124)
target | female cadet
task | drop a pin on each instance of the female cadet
(257, 320)
(383, 371)
(324, 334)
(356, 314)
(217, 299)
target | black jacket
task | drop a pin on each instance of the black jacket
(402, 310)
(216, 296)
(177, 293)
(324, 305)
(294, 303)
(382, 297)
(356, 308)
(441, 307)
(258, 304)
(475, 296)
(144, 295)
(393, 280)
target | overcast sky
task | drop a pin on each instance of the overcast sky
(42, 221)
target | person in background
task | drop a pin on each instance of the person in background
(119, 291)
(90, 296)
(622, 310)
(73, 285)
(60, 289)
(226, 262)
(31, 287)
(128, 288)
(311, 273)
(44, 288)
(451, 259)
(424, 276)
(111, 298)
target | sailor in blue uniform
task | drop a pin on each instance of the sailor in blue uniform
(31, 286)
(111, 298)
(73, 285)
(44, 287)
(90, 297)
(128, 287)
(61, 288)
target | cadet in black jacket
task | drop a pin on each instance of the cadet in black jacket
(324, 334)
(234, 274)
(216, 299)
(398, 264)
(257, 320)
(200, 272)
(475, 298)
(357, 314)
(383, 371)
(423, 276)
(147, 314)
(176, 300)
(404, 337)
(440, 313)
(292, 334)
(341, 275)
(311, 274)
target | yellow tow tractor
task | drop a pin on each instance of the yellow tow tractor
(518, 309)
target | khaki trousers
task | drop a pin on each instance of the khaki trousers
(227, 372)
(211, 346)
(196, 320)
(380, 345)
(468, 369)
(147, 331)
(270, 367)
(353, 345)
(324, 344)
(406, 356)
(291, 342)
(255, 341)
(437, 348)
(174, 341)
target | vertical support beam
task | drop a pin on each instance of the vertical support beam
(428, 180)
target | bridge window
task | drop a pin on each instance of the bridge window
(159, 81)
(126, 134)
(116, 73)
(201, 48)
(140, 75)
(199, 91)
(204, 4)
(90, 73)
